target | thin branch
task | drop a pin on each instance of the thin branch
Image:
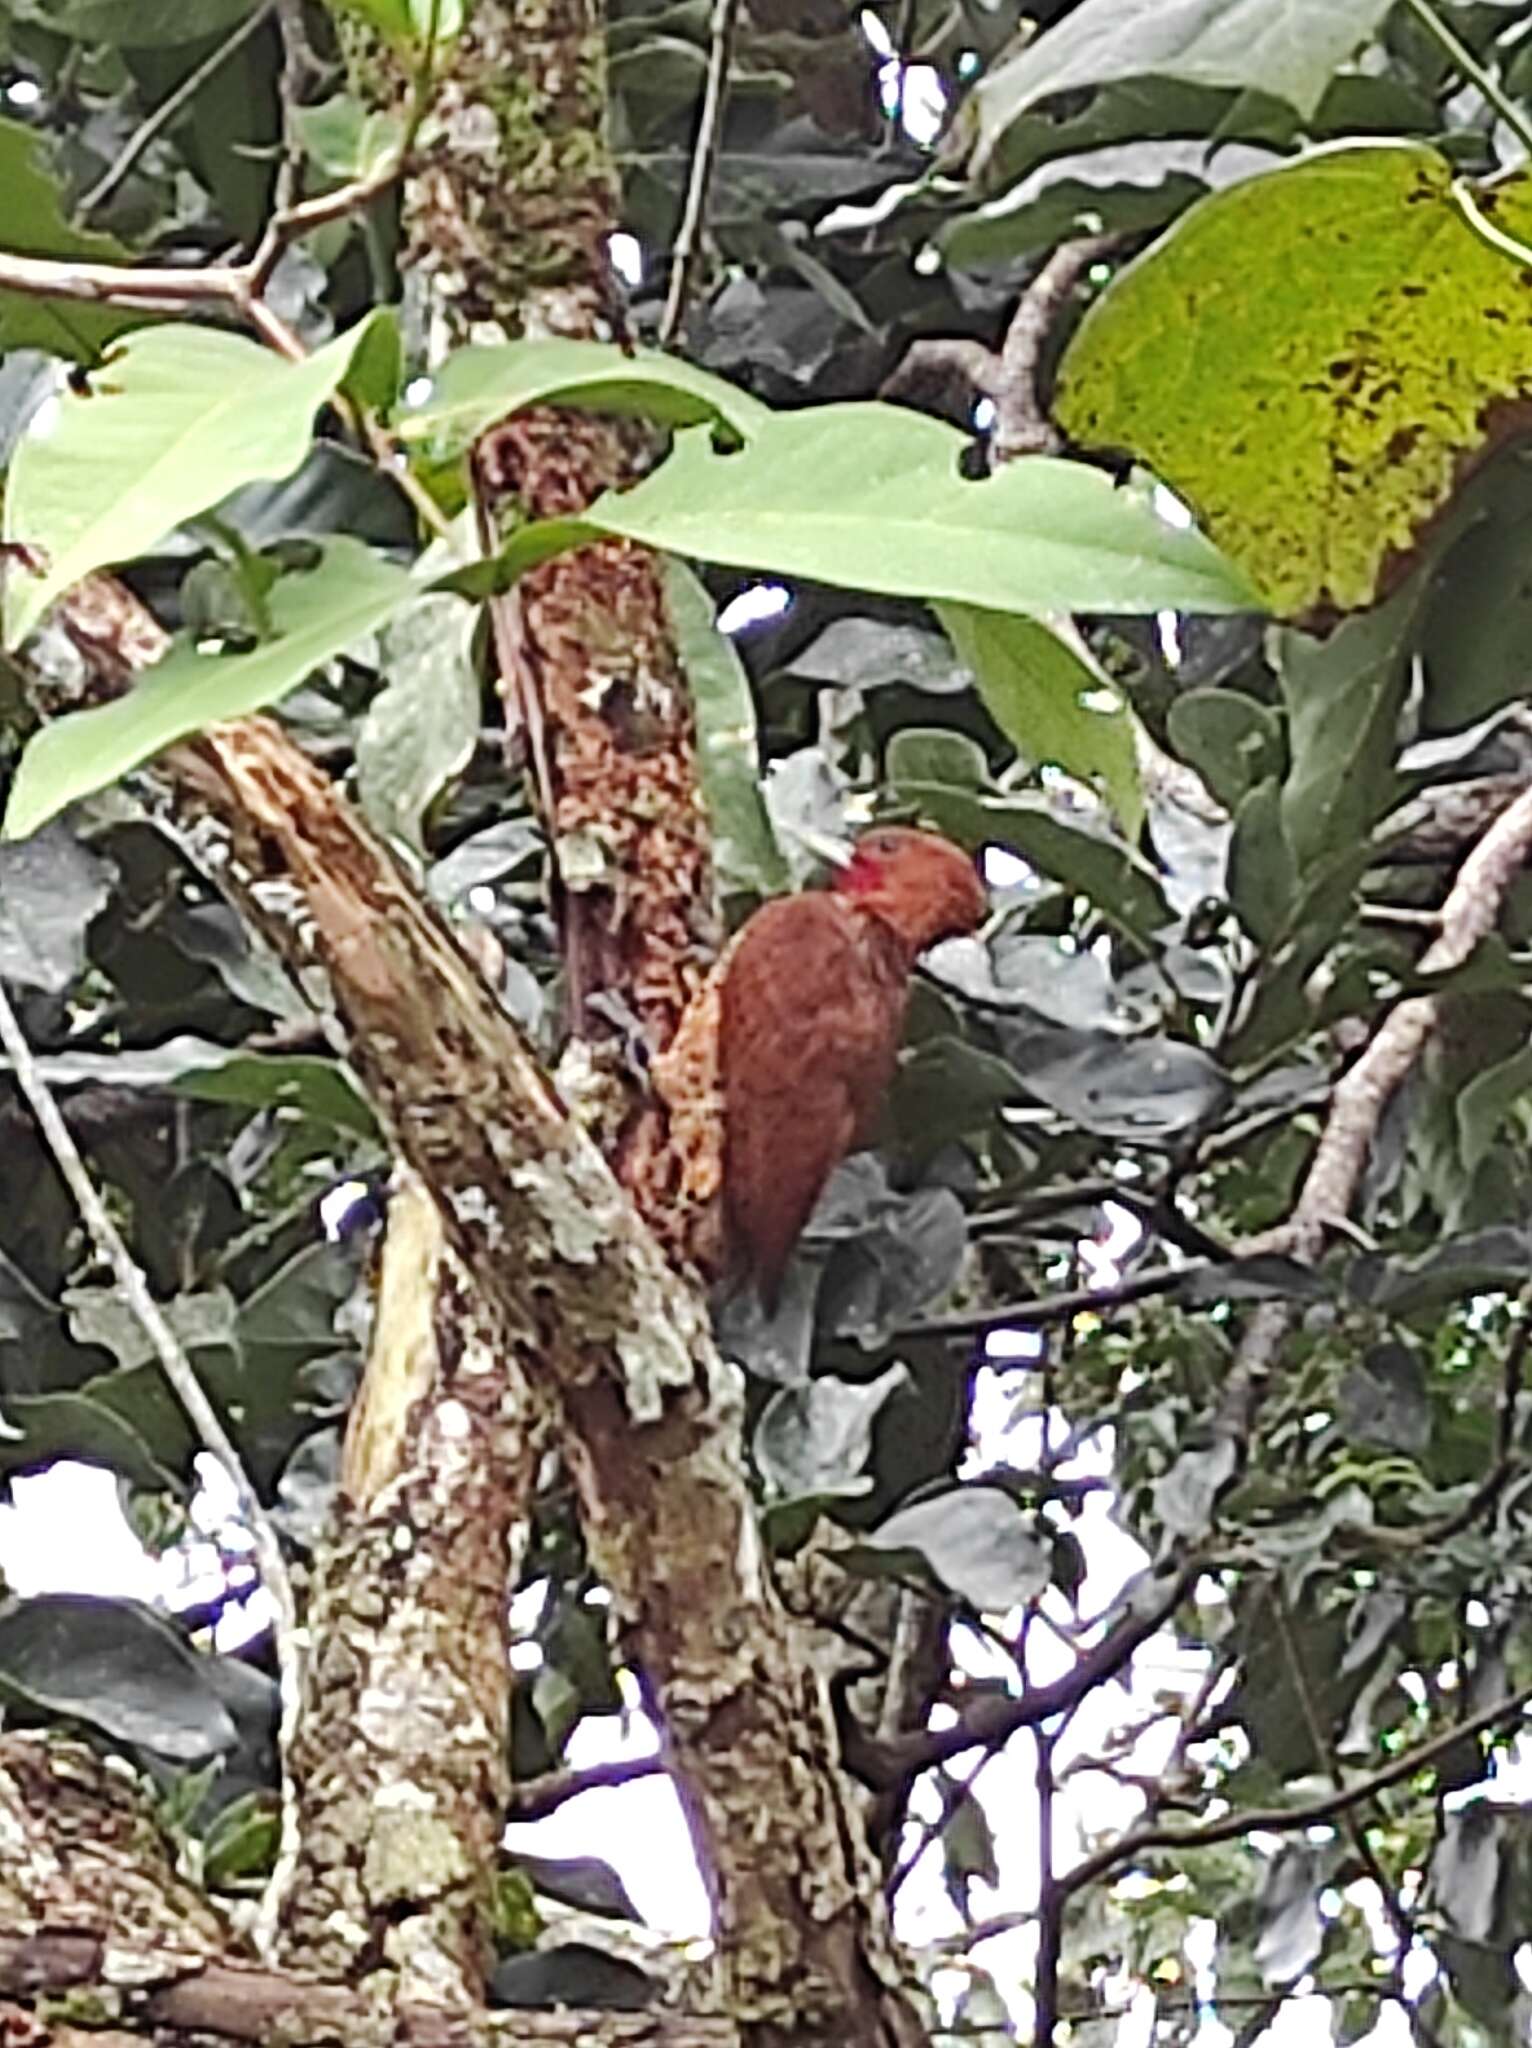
(1050, 1900)
(538, 1797)
(1459, 54)
(1287, 1820)
(951, 1792)
(944, 374)
(1022, 425)
(991, 1720)
(160, 119)
(239, 286)
(1362, 1094)
(1356, 1828)
(1063, 1308)
(184, 1382)
(704, 163)
(1365, 1090)
(235, 2001)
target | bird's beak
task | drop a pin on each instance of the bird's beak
(825, 846)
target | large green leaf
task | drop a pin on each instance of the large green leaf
(115, 1666)
(139, 24)
(1052, 701)
(478, 386)
(1311, 359)
(315, 614)
(179, 418)
(871, 497)
(33, 224)
(745, 848)
(1289, 49)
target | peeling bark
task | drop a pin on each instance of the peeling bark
(401, 1759)
(102, 1943)
(616, 1346)
(506, 224)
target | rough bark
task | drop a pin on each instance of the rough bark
(611, 1341)
(400, 1763)
(505, 232)
(101, 1942)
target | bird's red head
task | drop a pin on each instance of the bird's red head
(919, 883)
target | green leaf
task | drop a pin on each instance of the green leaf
(973, 1539)
(1122, 191)
(176, 420)
(1289, 50)
(33, 224)
(1291, 1926)
(1343, 700)
(814, 1440)
(315, 614)
(1263, 876)
(422, 727)
(1231, 740)
(1478, 612)
(50, 889)
(1053, 702)
(1108, 874)
(478, 386)
(1346, 345)
(1384, 1399)
(241, 1841)
(48, 1427)
(319, 1089)
(1150, 1089)
(342, 140)
(870, 497)
(745, 848)
(411, 25)
(115, 1666)
(140, 24)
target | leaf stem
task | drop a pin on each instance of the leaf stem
(1465, 60)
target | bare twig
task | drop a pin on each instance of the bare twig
(991, 1719)
(160, 119)
(178, 1370)
(705, 149)
(1288, 1820)
(1022, 425)
(1365, 1090)
(944, 374)
(545, 1794)
(1457, 52)
(1363, 1093)
(1043, 1309)
(237, 285)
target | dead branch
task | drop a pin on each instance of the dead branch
(233, 2001)
(603, 1334)
(1363, 1093)
(1022, 425)
(705, 148)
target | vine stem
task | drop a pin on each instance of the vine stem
(181, 1374)
(705, 149)
(1465, 60)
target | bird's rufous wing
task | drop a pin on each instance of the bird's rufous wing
(810, 1024)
